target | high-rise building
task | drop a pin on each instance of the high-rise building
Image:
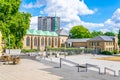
(49, 23)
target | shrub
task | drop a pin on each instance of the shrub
(115, 52)
(106, 53)
(29, 50)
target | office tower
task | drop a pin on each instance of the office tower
(49, 23)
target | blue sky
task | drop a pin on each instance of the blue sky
(99, 15)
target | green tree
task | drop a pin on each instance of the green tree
(96, 33)
(13, 22)
(80, 32)
(119, 38)
(109, 34)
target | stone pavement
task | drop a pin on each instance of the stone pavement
(46, 70)
(91, 59)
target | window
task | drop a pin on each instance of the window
(27, 41)
(106, 43)
(92, 44)
(49, 42)
(97, 43)
(42, 41)
(35, 41)
(55, 41)
(62, 41)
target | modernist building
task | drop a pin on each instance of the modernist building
(104, 43)
(48, 23)
(38, 39)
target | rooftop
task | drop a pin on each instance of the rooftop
(62, 32)
(102, 38)
(40, 32)
(78, 40)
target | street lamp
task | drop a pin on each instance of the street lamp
(9, 43)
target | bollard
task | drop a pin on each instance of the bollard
(86, 67)
(78, 67)
(60, 62)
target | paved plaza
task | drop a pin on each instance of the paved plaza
(45, 69)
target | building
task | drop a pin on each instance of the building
(77, 42)
(38, 39)
(62, 37)
(104, 43)
(48, 23)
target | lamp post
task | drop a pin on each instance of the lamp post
(9, 43)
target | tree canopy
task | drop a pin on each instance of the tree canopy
(80, 32)
(109, 34)
(13, 22)
(97, 33)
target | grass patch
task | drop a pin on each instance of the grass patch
(116, 58)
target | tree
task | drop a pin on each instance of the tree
(80, 32)
(96, 33)
(13, 22)
(119, 38)
(109, 34)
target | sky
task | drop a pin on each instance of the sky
(98, 15)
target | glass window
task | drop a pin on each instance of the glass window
(42, 41)
(27, 41)
(35, 41)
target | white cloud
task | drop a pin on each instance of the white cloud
(37, 4)
(67, 9)
(114, 22)
(70, 12)
(104, 30)
(34, 22)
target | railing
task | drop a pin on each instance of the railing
(86, 66)
(94, 66)
(68, 61)
(105, 70)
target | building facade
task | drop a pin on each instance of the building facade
(103, 43)
(38, 39)
(48, 23)
(62, 37)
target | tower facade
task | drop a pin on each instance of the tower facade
(49, 23)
